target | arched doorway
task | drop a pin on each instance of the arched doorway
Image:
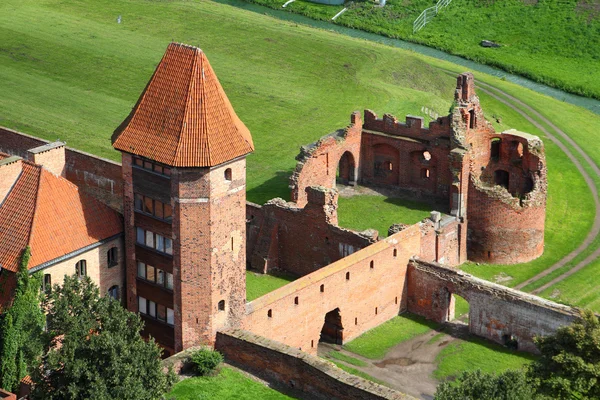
(333, 330)
(345, 171)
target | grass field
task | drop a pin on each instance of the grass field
(554, 42)
(228, 384)
(260, 284)
(475, 353)
(377, 341)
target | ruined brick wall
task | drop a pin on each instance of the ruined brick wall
(254, 222)
(496, 312)
(367, 288)
(443, 240)
(319, 161)
(301, 240)
(94, 175)
(407, 156)
(505, 184)
(306, 375)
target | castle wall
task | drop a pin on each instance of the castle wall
(300, 240)
(496, 312)
(367, 287)
(307, 376)
(94, 175)
(407, 156)
(318, 162)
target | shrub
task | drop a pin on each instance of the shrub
(205, 360)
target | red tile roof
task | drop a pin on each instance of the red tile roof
(183, 118)
(52, 216)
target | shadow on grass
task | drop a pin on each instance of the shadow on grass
(276, 186)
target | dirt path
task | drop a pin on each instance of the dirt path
(409, 366)
(528, 114)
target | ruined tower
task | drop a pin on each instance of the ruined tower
(184, 169)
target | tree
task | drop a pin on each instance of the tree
(93, 349)
(478, 385)
(569, 366)
(21, 328)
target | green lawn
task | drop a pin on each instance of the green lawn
(554, 42)
(476, 353)
(260, 284)
(356, 372)
(581, 289)
(377, 341)
(229, 384)
(337, 355)
(363, 212)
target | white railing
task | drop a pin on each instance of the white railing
(428, 14)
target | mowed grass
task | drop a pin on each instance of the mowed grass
(476, 353)
(337, 355)
(376, 342)
(261, 284)
(228, 384)
(362, 212)
(554, 42)
(581, 289)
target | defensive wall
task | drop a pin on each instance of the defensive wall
(307, 376)
(94, 175)
(497, 313)
(347, 297)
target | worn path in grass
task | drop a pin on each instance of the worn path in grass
(535, 118)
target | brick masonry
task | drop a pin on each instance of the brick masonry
(306, 376)
(496, 312)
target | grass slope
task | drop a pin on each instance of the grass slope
(260, 284)
(228, 384)
(555, 42)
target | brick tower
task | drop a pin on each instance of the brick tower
(184, 168)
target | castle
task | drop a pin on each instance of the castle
(189, 233)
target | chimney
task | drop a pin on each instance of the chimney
(10, 169)
(51, 156)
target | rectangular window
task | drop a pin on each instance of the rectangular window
(140, 236)
(150, 239)
(160, 277)
(158, 209)
(142, 305)
(167, 171)
(152, 308)
(148, 165)
(138, 201)
(170, 317)
(160, 243)
(148, 205)
(169, 281)
(141, 270)
(168, 212)
(168, 246)
(47, 283)
(138, 162)
(150, 273)
(158, 168)
(161, 313)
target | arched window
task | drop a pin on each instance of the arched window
(47, 283)
(112, 257)
(228, 174)
(113, 292)
(495, 149)
(81, 268)
(222, 305)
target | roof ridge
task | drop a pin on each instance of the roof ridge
(188, 99)
(35, 204)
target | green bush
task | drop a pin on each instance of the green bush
(205, 361)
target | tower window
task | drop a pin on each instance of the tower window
(395, 253)
(228, 174)
(222, 305)
(113, 292)
(322, 288)
(270, 313)
(296, 301)
(372, 264)
(347, 276)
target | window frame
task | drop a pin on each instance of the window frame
(112, 257)
(151, 166)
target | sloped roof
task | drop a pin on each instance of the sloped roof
(52, 216)
(183, 118)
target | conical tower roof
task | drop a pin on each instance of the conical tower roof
(183, 118)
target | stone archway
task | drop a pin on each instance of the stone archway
(346, 171)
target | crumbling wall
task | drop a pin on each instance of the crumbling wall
(319, 161)
(366, 287)
(496, 312)
(301, 240)
(407, 156)
(96, 176)
(307, 376)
